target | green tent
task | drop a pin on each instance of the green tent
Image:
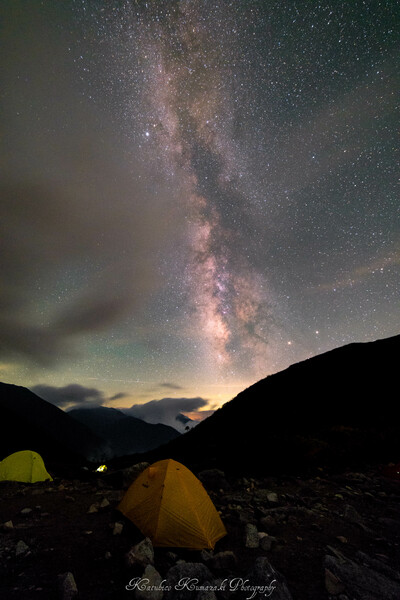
(26, 466)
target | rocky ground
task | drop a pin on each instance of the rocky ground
(328, 537)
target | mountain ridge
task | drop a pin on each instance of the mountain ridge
(334, 409)
(124, 434)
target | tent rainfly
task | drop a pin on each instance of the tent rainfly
(168, 504)
(25, 466)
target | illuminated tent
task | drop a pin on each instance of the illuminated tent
(171, 507)
(26, 466)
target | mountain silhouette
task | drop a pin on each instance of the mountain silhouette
(336, 409)
(29, 423)
(124, 434)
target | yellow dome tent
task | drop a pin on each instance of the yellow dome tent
(26, 466)
(171, 507)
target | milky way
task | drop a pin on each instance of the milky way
(224, 177)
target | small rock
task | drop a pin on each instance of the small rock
(152, 589)
(266, 543)
(333, 584)
(223, 560)
(174, 557)
(342, 539)
(205, 555)
(69, 499)
(68, 587)
(361, 581)
(185, 571)
(351, 514)
(269, 523)
(272, 497)
(118, 527)
(104, 503)
(274, 583)
(8, 525)
(93, 509)
(107, 555)
(142, 553)
(206, 595)
(251, 536)
(21, 548)
(26, 511)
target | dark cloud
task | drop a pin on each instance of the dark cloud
(70, 394)
(118, 396)
(171, 386)
(166, 410)
(81, 223)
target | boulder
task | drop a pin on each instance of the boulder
(362, 581)
(21, 548)
(141, 554)
(251, 536)
(264, 575)
(183, 579)
(152, 588)
(68, 587)
(225, 561)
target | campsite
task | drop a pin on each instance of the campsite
(65, 526)
(199, 300)
(310, 517)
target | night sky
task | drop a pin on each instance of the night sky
(195, 194)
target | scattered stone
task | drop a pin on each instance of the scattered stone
(8, 526)
(272, 497)
(392, 524)
(273, 582)
(26, 511)
(352, 515)
(93, 509)
(104, 503)
(68, 587)
(223, 561)
(246, 516)
(363, 582)
(174, 557)
(378, 565)
(152, 588)
(21, 548)
(262, 494)
(107, 555)
(342, 539)
(333, 584)
(269, 523)
(251, 536)
(179, 573)
(266, 543)
(118, 527)
(69, 499)
(142, 554)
